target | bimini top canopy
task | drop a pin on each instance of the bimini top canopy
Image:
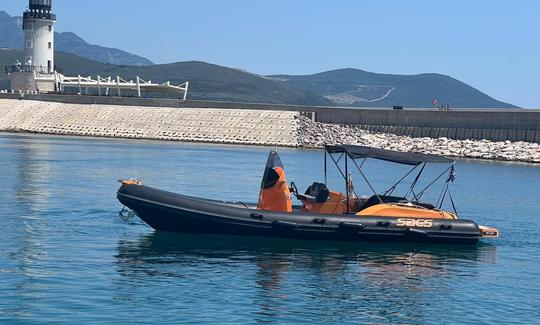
(407, 158)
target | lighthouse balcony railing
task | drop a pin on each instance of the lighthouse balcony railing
(31, 68)
(39, 15)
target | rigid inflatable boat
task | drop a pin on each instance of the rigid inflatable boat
(323, 214)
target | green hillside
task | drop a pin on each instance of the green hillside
(346, 87)
(353, 87)
(207, 81)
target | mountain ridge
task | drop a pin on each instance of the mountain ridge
(340, 87)
(12, 36)
(331, 88)
(360, 88)
(69, 42)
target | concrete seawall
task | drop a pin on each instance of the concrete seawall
(522, 125)
(494, 125)
(253, 127)
(235, 126)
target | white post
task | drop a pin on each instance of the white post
(98, 83)
(61, 82)
(56, 83)
(186, 90)
(108, 83)
(118, 85)
(80, 89)
(138, 87)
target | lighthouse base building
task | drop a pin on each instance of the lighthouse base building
(37, 72)
(30, 82)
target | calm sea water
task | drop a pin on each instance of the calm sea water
(66, 257)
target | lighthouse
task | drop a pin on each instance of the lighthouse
(38, 26)
(36, 72)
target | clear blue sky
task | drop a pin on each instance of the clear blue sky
(491, 45)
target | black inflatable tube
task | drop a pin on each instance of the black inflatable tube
(171, 212)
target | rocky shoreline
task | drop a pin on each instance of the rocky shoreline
(315, 135)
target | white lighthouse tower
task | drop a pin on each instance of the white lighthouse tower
(38, 26)
(37, 71)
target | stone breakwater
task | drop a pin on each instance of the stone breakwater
(315, 135)
(233, 126)
(250, 127)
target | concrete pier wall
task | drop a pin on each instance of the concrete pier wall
(522, 125)
(495, 125)
(245, 126)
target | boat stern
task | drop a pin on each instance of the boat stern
(489, 232)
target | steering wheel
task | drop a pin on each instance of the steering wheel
(293, 189)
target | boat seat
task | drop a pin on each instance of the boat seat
(316, 192)
(374, 200)
(306, 198)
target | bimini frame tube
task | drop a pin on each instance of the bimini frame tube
(347, 181)
(393, 187)
(367, 181)
(336, 163)
(434, 181)
(411, 190)
(325, 168)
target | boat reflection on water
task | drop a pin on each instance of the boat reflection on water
(269, 266)
(163, 247)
